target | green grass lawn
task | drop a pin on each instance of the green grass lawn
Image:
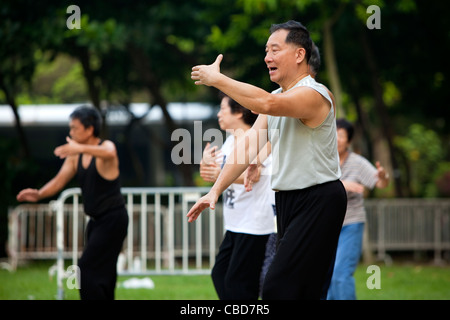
(397, 282)
(405, 282)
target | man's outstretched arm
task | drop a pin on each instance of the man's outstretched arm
(244, 152)
(301, 102)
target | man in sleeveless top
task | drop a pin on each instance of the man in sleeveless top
(299, 120)
(96, 164)
(248, 216)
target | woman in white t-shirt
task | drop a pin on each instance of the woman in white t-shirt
(248, 216)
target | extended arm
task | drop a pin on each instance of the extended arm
(302, 102)
(245, 151)
(65, 174)
(253, 172)
(382, 182)
(106, 155)
(210, 169)
(105, 151)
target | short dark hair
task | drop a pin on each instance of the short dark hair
(88, 116)
(347, 126)
(298, 34)
(247, 116)
(314, 61)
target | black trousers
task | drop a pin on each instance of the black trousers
(238, 266)
(309, 222)
(98, 263)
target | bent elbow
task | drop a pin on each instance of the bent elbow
(110, 154)
(269, 105)
(113, 154)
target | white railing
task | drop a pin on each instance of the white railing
(158, 229)
(408, 225)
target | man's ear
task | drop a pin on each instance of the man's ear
(300, 54)
(91, 129)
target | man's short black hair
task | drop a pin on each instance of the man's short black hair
(314, 61)
(298, 34)
(88, 116)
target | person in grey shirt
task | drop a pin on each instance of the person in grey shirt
(357, 174)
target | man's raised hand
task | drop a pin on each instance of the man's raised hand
(207, 74)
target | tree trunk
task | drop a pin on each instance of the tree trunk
(330, 59)
(141, 63)
(332, 69)
(94, 91)
(381, 108)
(93, 88)
(362, 118)
(25, 149)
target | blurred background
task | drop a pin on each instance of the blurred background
(388, 70)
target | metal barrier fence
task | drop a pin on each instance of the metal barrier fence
(408, 225)
(161, 241)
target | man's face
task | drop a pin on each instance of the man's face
(78, 132)
(281, 57)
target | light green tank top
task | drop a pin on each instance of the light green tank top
(303, 156)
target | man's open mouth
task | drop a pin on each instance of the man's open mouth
(272, 70)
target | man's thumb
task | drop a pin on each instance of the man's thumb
(219, 59)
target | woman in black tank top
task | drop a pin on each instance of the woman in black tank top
(102, 201)
(105, 232)
(99, 194)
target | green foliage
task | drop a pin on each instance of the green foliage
(440, 181)
(99, 36)
(233, 37)
(423, 149)
(58, 80)
(391, 94)
(126, 51)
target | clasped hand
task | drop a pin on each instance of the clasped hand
(68, 149)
